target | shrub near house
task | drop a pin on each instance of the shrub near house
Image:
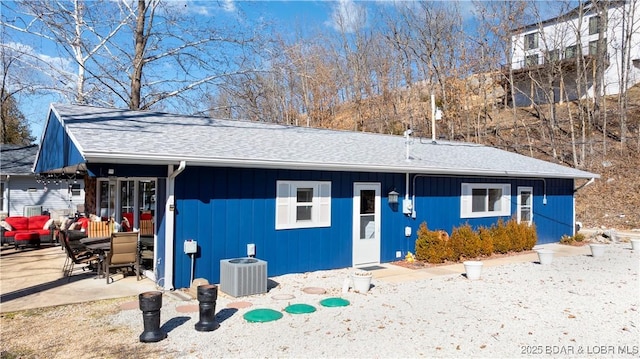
(465, 243)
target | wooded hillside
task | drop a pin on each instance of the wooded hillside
(613, 200)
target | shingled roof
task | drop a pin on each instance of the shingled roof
(17, 159)
(106, 135)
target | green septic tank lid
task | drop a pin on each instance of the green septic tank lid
(334, 302)
(262, 315)
(300, 309)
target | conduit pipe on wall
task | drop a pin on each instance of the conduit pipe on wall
(169, 228)
(406, 186)
(413, 198)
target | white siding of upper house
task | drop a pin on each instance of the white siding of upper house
(564, 34)
(21, 191)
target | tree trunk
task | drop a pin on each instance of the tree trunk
(138, 59)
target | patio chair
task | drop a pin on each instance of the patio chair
(99, 229)
(124, 252)
(75, 256)
(146, 227)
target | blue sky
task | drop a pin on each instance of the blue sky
(289, 16)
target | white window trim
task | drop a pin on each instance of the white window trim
(519, 203)
(466, 200)
(536, 39)
(286, 204)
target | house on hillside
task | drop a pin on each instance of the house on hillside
(25, 194)
(304, 199)
(573, 55)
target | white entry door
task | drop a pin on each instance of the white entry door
(366, 223)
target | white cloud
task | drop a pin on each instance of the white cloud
(203, 8)
(190, 6)
(468, 9)
(347, 16)
(229, 5)
(31, 57)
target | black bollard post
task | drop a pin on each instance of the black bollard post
(207, 296)
(150, 304)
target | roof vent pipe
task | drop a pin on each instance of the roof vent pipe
(433, 118)
(436, 114)
(406, 143)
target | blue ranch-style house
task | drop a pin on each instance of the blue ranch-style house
(306, 199)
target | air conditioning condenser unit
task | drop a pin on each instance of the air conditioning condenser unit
(243, 276)
(30, 211)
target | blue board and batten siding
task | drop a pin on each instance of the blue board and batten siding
(438, 203)
(225, 209)
(56, 149)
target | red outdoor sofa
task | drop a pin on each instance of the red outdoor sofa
(27, 231)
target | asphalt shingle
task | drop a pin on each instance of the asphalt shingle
(102, 134)
(17, 159)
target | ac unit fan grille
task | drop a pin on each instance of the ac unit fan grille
(243, 276)
(30, 211)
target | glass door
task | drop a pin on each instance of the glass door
(127, 200)
(133, 200)
(525, 205)
(132, 203)
(107, 199)
(366, 223)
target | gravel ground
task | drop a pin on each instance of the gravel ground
(579, 306)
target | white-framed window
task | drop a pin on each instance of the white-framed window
(525, 204)
(552, 56)
(571, 51)
(595, 24)
(485, 200)
(303, 204)
(594, 48)
(532, 60)
(531, 41)
(74, 188)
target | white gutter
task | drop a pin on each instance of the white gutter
(169, 211)
(406, 167)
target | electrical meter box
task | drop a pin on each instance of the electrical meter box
(190, 246)
(407, 206)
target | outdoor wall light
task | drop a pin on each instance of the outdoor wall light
(393, 197)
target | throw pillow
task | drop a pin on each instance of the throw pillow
(125, 225)
(66, 225)
(49, 224)
(6, 226)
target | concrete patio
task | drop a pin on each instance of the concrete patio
(33, 278)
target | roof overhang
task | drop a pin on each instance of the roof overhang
(412, 168)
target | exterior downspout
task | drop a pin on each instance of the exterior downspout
(170, 206)
(584, 185)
